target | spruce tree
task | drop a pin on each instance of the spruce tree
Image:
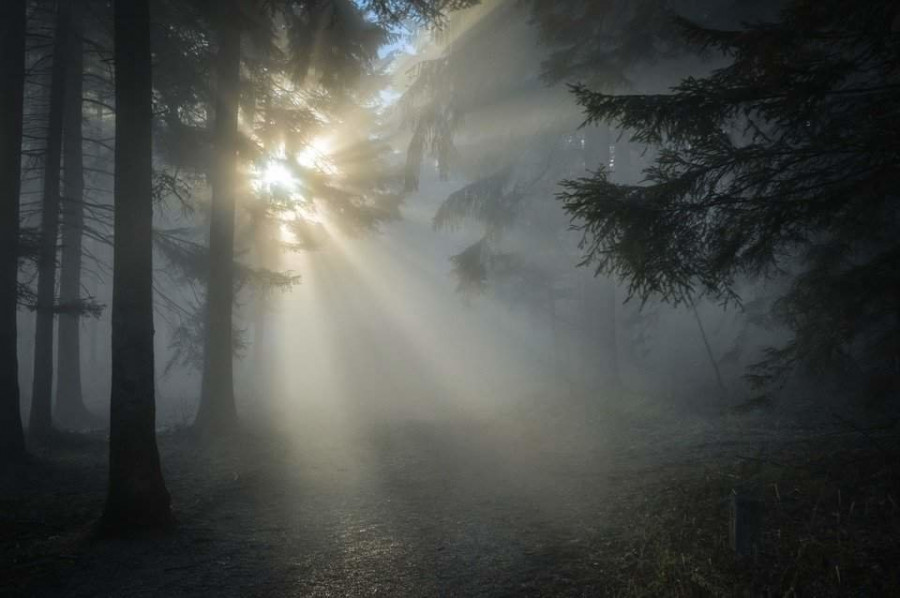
(785, 159)
(40, 420)
(12, 79)
(137, 496)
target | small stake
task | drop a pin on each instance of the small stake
(746, 523)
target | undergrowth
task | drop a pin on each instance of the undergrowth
(830, 527)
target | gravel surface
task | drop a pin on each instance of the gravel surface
(416, 508)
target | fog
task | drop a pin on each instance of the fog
(499, 297)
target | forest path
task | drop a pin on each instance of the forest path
(414, 508)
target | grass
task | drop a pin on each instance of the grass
(831, 525)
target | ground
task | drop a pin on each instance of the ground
(464, 508)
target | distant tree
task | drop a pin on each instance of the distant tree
(12, 80)
(40, 421)
(332, 40)
(566, 39)
(786, 159)
(605, 43)
(137, 495)
(70, 409)
(217, 408)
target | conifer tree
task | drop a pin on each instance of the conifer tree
(12, 80)
(334, 41)
(786, 159)
(70, 409)
(137, 495)
(40, 420)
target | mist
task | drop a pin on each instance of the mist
(448, 298)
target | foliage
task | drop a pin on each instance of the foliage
(785, 158)
(423, 11)
(602, 40)
(489, 201)
(432, 114)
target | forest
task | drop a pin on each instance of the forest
(449, 298)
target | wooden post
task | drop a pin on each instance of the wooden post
(745, 527)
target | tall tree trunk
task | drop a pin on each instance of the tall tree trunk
(42, 386)
(137, 496)
(709, 352)
(12, 78)
(217, 409)
(70, 409)
(268, 257)
(265, 258)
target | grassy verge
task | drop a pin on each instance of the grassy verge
(830, 526)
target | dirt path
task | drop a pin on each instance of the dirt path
(407, 509)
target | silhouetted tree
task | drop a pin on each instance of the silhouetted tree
(787, 158)
(137, 495)
(40, 421)
(12, 81)
(70, 409)
(217, 408)
(336, 41)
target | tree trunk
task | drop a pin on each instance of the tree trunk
(12, 78)
(137, 496)
(709, 351)
(217, 409)
(263, 234)
(261, 356)
(70, 409)
(42, 386)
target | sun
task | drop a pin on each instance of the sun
(279, 175)
(275, 174)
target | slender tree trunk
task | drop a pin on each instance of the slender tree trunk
(70, 409)
(12, 78)
(261, 247)
(260, 356)
(612, 334)
(263, 235)
(709, 351)
(137, 496)
(42, 387)
(217, 409)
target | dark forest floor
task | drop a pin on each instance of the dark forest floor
(425, 508)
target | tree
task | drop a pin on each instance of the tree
(786, 159)
(217, 408)
(509, 198)
(12, 79)
(40, 421)
(70, 409)
(335, 40)
(137, 496)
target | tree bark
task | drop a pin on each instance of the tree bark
(12, 78)
(217, 411)
(137, 496)
(70, 409)
(40, 424)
